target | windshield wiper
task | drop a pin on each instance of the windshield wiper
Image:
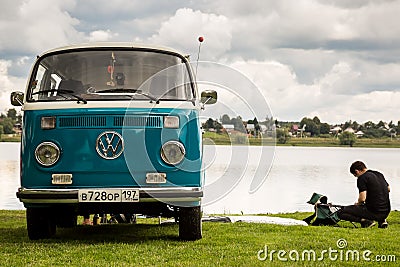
(130, 91)
(119, 90)
(62, 92)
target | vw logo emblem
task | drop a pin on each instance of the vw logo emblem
(109, 145)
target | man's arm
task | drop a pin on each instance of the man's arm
(361, 198)
(388, 188)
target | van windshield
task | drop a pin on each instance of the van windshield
(87, 75)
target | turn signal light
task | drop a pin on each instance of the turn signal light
(48, 123)
(171, 122)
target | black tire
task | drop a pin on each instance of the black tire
(190, 223)
(40, 223)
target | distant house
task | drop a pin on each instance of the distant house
(359, 133)
(385, 127)
(228, 127)
(17, 128)
(336, 130)
(350, 130)
(294, 130)
(250, 127)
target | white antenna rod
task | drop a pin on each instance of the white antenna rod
(201, 39)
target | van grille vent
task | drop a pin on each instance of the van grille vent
(83, 121)
(138, 121)
(101, 121)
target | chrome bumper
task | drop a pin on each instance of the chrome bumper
(70, 196)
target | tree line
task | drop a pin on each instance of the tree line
(369, 129)
(238, 124)
(312, 127)
(9, 120)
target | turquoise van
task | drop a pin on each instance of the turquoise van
(111, 128)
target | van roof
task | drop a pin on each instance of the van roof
(112, 45)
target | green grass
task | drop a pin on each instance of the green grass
(6, 138)
(224, 139)
(333, 142)
(223, 244)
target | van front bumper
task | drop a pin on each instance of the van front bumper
(70, 196)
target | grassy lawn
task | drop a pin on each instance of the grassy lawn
(5, 138)
(223, 244)
(224, 139)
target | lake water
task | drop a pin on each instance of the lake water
(234, 177)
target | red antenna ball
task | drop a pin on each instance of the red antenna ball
(201, 39)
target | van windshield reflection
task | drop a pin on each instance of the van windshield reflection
(87, 75)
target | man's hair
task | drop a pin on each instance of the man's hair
(357, 165)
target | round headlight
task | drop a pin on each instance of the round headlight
(173, 152)
(47, 153)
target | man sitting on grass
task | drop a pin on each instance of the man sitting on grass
(373, 202)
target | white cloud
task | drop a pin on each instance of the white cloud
(267, 75)
(341, 79)
(313, 26)
(182, 30)
(386, 75)
(8, 84)
(4, 79)
(373, 106)
(380, 102)
(279, 85)
(331, 97)
(22, 61)
(377, 21)
(101, 36)
(38, 26)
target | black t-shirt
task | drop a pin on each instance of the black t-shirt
(377, 191)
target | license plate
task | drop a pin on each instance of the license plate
(108, 195)
(156, 178)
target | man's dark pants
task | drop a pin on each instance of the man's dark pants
(354, 213)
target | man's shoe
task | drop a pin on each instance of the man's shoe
(383, 224)
(367, 223)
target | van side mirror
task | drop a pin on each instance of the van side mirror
(17, 98)
(208, 97)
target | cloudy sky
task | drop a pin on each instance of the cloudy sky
(335, 59)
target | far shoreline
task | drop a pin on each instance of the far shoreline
(220, 139)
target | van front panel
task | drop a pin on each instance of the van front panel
(79, 132)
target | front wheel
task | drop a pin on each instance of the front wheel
(190, 223)
(40, 223)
